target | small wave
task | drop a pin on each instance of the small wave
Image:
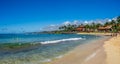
(59, 56)
(62, 40)
(47, 60)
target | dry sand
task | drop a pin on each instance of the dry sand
(95, 33)
(90, 53)
(112, 49)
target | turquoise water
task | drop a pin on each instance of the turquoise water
(51, 46)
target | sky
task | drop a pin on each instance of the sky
(37, 15)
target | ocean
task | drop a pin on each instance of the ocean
(40, 48)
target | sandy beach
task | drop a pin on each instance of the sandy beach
(104, 51)
(90, 53)
(93, 33)
(112, 49)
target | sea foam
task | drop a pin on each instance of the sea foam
(61, 40)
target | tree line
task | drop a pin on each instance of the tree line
(93, 26)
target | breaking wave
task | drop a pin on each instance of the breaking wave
(61, 40)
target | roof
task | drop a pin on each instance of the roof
(101, 28)
(104, 28)
(81, 27)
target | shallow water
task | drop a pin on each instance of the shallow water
(43, 53)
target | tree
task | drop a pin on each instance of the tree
(87, 27)
(113, 22)
(63, 27)
(68, 28)
(114, 26)
(107, 23)
(118, 23)
(118, 19)
(98, 25)
(94, 26)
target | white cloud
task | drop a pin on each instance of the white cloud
(66, 23)
(115, 18)
(86, 22)
(76, 22)
(109, 20)
(50, 27)
(56, 27)
(95, 21)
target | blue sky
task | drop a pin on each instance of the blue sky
(33, 15)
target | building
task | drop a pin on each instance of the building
(80, 29)
(105, 29)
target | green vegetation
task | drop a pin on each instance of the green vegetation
(68, 28)
(115, 26)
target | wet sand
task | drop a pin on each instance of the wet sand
(112, 49)
(90, 53)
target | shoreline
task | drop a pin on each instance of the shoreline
(84, 54)
(104, 50)
(99, 34)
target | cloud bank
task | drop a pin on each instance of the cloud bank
(76, 22)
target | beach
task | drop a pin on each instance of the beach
(112, 49)
(59, 32)
(42, 48)
(90, 53)
(103, 51)
(96, 33)
(80, 49)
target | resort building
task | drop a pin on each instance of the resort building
(80, 29)
(105, 29)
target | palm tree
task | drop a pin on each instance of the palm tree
(118, 19)
(114, 26)
(118, 23)
(113, 22)
(94, 26)
(87, 27)
(98, 25)
(64, 28)
(68, 28)
(107, 23)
